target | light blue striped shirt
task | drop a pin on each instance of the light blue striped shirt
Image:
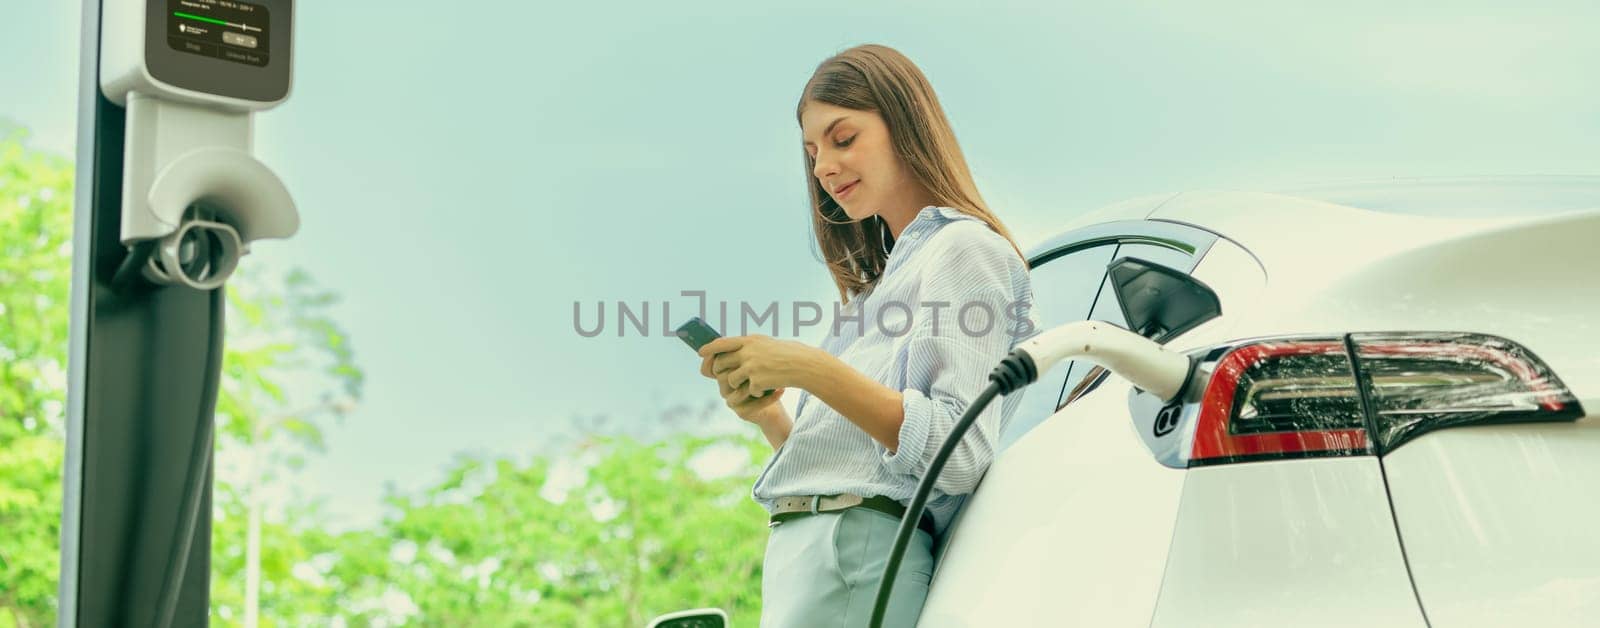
(905, 333)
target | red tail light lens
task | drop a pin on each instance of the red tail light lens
(1281, 399)
(1426, 381)
(1298, 398)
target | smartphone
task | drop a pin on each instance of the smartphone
(696, 333)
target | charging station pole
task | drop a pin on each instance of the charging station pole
(144, 355)
(135, 369)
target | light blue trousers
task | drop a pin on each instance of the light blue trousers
(823, 570)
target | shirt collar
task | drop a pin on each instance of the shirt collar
(927, 221)
(939, 214)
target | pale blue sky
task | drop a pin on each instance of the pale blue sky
(466, 172)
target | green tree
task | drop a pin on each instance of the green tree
(283, 347)
(35, 267)
(610, 535)
(288, 367)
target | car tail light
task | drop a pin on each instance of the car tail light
(1280, 399)
(1296, 398)
(1421, 382)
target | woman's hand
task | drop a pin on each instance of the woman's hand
(757, 410)
(750, 365)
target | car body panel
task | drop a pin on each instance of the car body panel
(1099, 526)
(1530, 280)
(1487, 514)
(1069, 528)
(1076, 519)
(1497, 522)
(1286, 543)
(1460, 196)
(1534, 282)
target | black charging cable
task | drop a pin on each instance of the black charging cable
(129, 274)
(194, 485)
(1014, 372)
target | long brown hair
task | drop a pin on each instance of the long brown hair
(880, 79)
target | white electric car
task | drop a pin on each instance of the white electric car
(1387, 420)
(1391, 422)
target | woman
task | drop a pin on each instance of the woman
(935, 294)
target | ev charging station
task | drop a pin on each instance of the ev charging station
(168, 199)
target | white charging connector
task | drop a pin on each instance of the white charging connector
(1138, 359)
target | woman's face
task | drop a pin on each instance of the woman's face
(854, 160)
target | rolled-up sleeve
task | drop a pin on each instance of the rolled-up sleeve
(948, 364)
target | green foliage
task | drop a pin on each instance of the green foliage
(282, 335)
(286, 598)
(611, 534)
(638, 533)
(287, 368)
(35, 267)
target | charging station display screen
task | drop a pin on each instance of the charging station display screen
(221, 29)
